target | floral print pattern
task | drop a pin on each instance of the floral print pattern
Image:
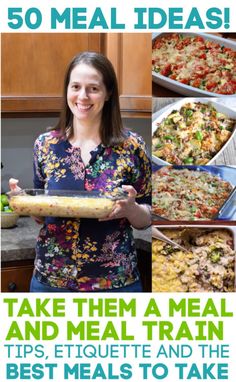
(87, 254)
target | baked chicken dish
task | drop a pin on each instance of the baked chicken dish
(192, 135)
(208, 265)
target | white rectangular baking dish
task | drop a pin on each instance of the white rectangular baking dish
(232, 229)
(163, 113)
(187, 89)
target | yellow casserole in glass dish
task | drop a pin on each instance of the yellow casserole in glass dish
(71, 204)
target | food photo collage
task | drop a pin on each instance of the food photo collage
(193, 162)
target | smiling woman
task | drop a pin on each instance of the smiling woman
(89, 150)
(86, 93)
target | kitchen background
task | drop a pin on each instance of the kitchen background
(33, 68)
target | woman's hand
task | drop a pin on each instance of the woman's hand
(123, 208)
(13, 185)
(138, 215)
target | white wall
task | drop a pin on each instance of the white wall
(18, 136)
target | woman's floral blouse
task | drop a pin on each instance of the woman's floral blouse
(87, 254)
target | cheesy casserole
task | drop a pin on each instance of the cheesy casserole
(184, 194)
(61, 206)
(209, 266)
(197, 62)
(192, 135)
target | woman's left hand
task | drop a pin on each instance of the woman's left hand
(124, 208)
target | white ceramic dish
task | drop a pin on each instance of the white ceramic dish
(187, 89)
(163, 113)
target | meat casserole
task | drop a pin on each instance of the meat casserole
(195, 61)
(208, 266)
(194, 134)
(186, 194)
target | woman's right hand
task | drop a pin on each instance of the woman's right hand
(13, 185)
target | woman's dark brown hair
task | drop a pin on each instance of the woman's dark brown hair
(111, 129)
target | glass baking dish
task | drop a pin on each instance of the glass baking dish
(63, 203)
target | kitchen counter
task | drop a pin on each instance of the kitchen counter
(18, 243)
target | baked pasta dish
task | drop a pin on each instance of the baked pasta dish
(207, 266)
(195, 61)
(184, 194)
(192, 135)
(61, 206)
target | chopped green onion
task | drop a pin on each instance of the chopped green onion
(170, 137)
(199, 135)
(188, 112)
(188, 160)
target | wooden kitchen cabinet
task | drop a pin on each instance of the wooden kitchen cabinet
(130, 54)
(16, 276)
(33, 67)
